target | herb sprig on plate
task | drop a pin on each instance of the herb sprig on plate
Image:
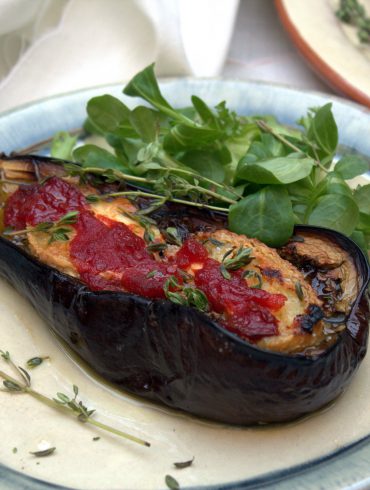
(266, 176)
(352, 12)
(64, 403)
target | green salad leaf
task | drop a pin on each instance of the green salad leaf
(266, 214)
(265, 175)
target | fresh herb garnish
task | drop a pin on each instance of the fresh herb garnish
(43, 452)
(184, 464)
(255, 275)
(299, 291)
(172, 236)
(62, 145)
(156, 247)
(172, 290)
(214, 242)
(57, 230)
(225, 273)
(240, 258)
(195, 297)
(171, 482)
(66, 404)
(266, 176)
(353, 12)
(187, 296)
(151, 274)
(36, 361)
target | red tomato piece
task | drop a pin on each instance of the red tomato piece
(251, 320)
(135, 279)
(191, 252)
(246, 309)
(39, 203)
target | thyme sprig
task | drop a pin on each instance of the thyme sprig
(58, 230)
(167, 187)
(187, 296)
(62, 402)
(353, 13)
(150, 195)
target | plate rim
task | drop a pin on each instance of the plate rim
(321, 67)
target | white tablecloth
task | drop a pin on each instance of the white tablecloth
(55, 46)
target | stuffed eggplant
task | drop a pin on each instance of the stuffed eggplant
(178, 309)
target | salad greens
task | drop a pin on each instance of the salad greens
(266, 176)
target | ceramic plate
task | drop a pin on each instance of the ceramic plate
(330, 47)
(330, 449)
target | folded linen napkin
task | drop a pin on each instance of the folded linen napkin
(55, 46)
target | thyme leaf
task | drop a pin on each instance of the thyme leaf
(5, 355)
(214, 242)
(156, 247)
(172, 236)
(171, 482)
(36, 361)
(225, 273)
(299, 290)
(256, 275)
(12, 386)
(184, 464)
(353, 12)
(241, 258)
(151, 274)
(44, 452)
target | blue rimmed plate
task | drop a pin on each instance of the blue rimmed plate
(328, 450)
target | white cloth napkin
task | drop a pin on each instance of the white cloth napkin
(55, 46)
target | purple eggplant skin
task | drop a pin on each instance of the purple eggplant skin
(178, 356)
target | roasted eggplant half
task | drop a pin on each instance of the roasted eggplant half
(197, 318)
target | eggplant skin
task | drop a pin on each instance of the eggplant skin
(178, 356)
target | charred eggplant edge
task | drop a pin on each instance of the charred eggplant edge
(216, 395)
